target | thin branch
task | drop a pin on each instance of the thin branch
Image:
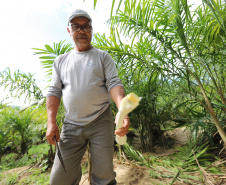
(207, 177)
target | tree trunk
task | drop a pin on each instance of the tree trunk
(23, 147)
(218, 125)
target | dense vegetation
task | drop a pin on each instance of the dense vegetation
(171, 56)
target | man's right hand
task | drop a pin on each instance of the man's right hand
(52, 130)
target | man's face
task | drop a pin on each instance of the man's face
(81, 38)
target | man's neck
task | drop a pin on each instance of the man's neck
(81, 49)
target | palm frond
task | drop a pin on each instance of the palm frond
(50, 53)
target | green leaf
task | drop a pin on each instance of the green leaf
(49, 48)
(220, 104)
(47, 57)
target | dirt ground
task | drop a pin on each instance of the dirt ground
(131, 174)
(127, 175)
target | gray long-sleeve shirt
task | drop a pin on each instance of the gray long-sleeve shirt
(84, 80)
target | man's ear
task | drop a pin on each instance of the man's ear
(69, 31)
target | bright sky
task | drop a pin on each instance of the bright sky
(28, 24)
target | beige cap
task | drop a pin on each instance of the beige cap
(78, 13)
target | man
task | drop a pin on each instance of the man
(85, 77)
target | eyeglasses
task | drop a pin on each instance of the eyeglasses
(77, 28)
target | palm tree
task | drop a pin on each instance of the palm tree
(181, 45)
(19, 127)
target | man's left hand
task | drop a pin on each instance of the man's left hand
(126, 123)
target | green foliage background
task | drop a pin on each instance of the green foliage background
(171, 55)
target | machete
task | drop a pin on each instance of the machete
(59, 155)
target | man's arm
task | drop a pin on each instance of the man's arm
(117, 94)
(52, 104)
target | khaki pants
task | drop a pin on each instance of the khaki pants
(73, 143)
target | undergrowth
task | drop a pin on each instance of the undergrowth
(36, 154)
(8, 179)
(34, 176)
(182, 165)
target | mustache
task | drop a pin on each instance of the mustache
(81, 36)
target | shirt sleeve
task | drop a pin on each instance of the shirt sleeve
(110, 72)
(55, 88)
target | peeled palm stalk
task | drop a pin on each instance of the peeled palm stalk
(128, 103)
